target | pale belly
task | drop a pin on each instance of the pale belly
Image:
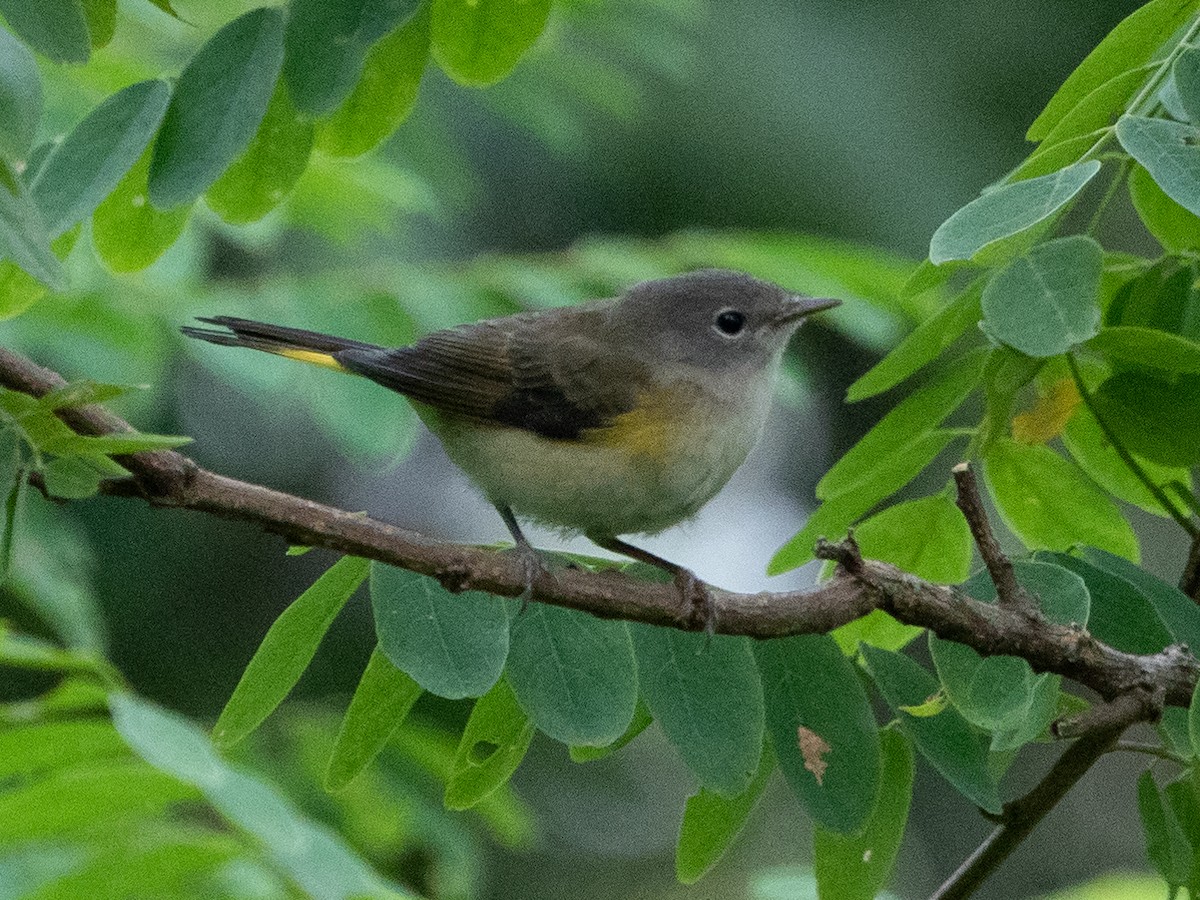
(639, 482)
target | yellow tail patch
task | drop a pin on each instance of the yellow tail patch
(315, 357)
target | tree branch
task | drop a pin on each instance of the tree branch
(1009, 592)
(170, 479)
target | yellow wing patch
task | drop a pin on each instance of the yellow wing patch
(312, 356)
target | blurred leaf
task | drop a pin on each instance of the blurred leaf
(927, 537)
(641, 721)
(380, 703)
(1170, 151)
(1121, 615)
(706, 695)
(385, 94)
(923, 344)
(81, 393)
(856, 867)
(1166, 846)
(287, 649)
(261, 177)
(101, 18)
(1007, 210)
(575, 675)
(946, 740)
(165, 6)
(1055, 406)
(13, 485)
(1163, 296)
(1186, 72)
(1148, 347)
(1175, 733)
(57, 29)
(494, 742)
(1193, 720)
(35, 749)
(24, 237)
(218, 104)
(836, 514)
(910, 420)
(711, 823)
(20, 98)
(89, 163)
(1045, 302)
(478, 42)
(1177, 229)
(71, 478)
(1132, 43)
(85, 796)
(326, 43)
(1095, 112)
(1052, 158)
(115, 444)
(1178, 612)
(811, 689)
(1119, 886)
(128, 232)
(453, 645)
(1049, 503)
(1153, 417)
(309, 854)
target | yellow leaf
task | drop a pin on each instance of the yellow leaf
(1049, 415)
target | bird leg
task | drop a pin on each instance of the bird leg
(531, 561)
(697, 603)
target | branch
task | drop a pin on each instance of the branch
(1009, 592)
(169, 479)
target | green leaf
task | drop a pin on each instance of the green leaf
(1148, 347)
(380, 703)
(29, 750)
(101, 18)
(835, 515)
(641, 721)
(81, 393)
(1095, 112)
(20, 98)
(1035, 723)
(946, 740)
(287, 650)
(927, 537)
(1163, 297)
(326, 43)
(1134, 42)
(1193, 720)
(711, 823)
(856, 867)
(1049, 503)
(478, 42)
(71, 478)
(876, 628)
(273, 162)
(81, 171)
(116, 444)
(1170, 151)
(1121, 615)
(1186, 72)
(1166, 845)
(309, 855)
(57, 29)
(573, 674)
(921, 346)
(897, 432)
(1177, 611)
(453, 645)
(219, 101)
(13, 484)
(385, 94)
(1060, 593)
(991, 692)
(1007, 210)
(706, 695)
(1172, 226)
(24, 237)
(821, 727)
(1153, 417)
(128, 232)
(1045, 302)
(494, 742)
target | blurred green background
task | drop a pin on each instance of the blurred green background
(629, 124)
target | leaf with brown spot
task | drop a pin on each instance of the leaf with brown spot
(813, 748)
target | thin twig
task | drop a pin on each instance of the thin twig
(1009, 593)
(1146, 749)
(1022, 816)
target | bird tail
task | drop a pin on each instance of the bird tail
(292, 343)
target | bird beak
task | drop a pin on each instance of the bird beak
(799, 307)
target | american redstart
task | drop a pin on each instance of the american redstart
(614, 417)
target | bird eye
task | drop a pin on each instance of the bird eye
(730, 322)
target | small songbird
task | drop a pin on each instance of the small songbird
(615, 417)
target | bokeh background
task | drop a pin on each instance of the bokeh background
(629, 125)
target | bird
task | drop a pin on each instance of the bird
(615, 417)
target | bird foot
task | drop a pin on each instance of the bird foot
(697, 605)
(532, 569)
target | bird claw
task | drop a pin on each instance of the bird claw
(532, 568)
(698, 606)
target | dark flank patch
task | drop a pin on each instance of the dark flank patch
(547, 412)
